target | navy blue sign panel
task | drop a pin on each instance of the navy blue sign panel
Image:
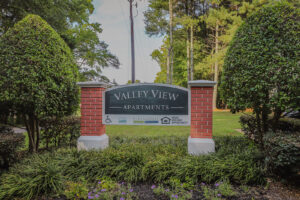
(155, 104)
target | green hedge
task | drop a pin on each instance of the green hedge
(281, 149)
(60, 132)
(282, 154)
(134, 160)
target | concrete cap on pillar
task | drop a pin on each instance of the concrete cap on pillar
(92, 84)
(202, 83)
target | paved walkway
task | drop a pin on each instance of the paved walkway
(19, 130)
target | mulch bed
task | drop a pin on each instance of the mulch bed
(275, 191)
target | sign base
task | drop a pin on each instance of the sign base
(200, 146)
(92, 142)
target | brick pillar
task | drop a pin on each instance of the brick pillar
(200, 140)
(92, 130)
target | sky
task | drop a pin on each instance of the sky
(113, 15)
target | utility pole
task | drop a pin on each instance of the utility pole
(132, 44)
(192, 53)
(171, 41)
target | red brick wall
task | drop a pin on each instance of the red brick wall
(201, 112)
(91, 111)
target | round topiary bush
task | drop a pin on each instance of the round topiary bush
(261, 68)
(37, 73)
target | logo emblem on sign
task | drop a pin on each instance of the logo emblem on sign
(165, 120)
(108, 120)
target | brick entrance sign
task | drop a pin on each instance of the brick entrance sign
(151, 104)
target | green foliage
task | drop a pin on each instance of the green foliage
(60, 132)
(261, 66)
(178, 190)
(76, 190)
(281, 148)
(282, 157)
(107, 189)
(219, 191)
(71, 20)
(289, 124)
(36, 176)
(213, 24)
(10, 142)
(249, 127)
(135, 161)
(38, 73)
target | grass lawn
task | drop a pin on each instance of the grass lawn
(224, 123)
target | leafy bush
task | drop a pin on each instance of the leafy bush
(38, 74)
(9, 144)
(261, 68)
(76, 190)
(282, 151)
(58, 132)
(37, 176)
(289, 124)
(249, 126)
(281, 148)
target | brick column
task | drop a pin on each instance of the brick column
(92, 130)
(200, 140)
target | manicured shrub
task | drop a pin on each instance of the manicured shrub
(249, 126)
(60, 132)
(38, 74)
(261, 68)
(289, 124)
(10, 142)
(282, 154)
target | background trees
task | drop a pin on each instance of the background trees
(70, 18)
(38, 74)
(261, 69)
(202, 31)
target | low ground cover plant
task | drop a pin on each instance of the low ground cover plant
(133, 161)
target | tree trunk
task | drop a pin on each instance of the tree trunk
(192, 53)
(216, 74)
(259, 130)
(265, 119)
(37, 142)
(171, 41)
(31, 124)
(276, 117)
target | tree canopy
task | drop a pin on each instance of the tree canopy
(202, 32)
(70, 18)
(38, 73)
